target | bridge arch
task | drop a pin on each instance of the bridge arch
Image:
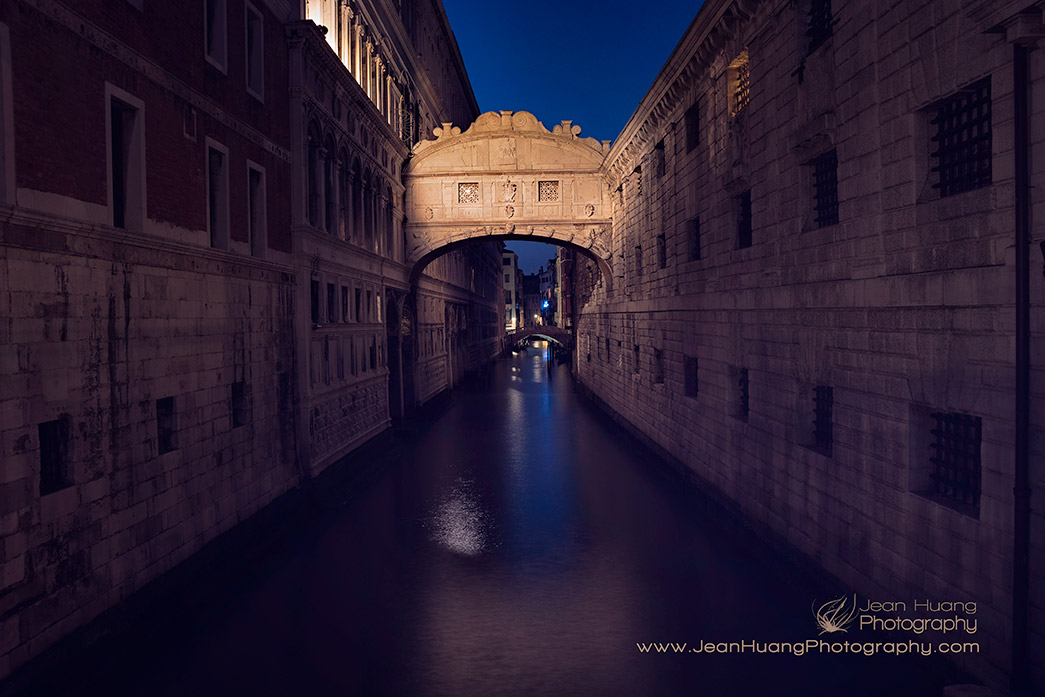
(508, 177)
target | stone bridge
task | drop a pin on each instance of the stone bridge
(509, 177)
(554, 334)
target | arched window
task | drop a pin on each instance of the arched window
(344, 195)
(329, 192)
(390, 249)
(312, 196)
(357, 202)
(368, 211)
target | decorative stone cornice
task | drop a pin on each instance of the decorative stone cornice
(717, 22)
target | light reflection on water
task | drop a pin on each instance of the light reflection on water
(459, 522)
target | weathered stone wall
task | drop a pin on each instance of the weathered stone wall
(904, 307)
(96, 331)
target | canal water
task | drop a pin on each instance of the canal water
(516, 544)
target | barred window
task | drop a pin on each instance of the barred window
(740, 398)
(692, 126)
(662, 251)
(739, 83)
(956, 467)
(658, 367)
(689, 374)
(962, 158)
(166, 425)
(693, 239)
(743, 203)
(823, 430)
(819, 28)
(825, 184)
(56, 467)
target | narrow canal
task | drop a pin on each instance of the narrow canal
(516, 545)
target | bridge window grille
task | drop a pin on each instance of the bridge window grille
(548, 191)
(56, 471)
(956, 466)
(823, 430)
(468, 192)
(825, 183)
(743, 203)
(962, 158)
(819, 29)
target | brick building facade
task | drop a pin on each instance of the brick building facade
(204, 298)
(812, 302)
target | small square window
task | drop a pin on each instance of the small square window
(548, 191)
(56, 462)
(468, 192)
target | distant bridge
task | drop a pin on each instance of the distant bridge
(555, 335)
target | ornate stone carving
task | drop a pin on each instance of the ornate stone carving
(509, 210)
(508, 149)
(510, 191)
(429, 213)
(589, 210)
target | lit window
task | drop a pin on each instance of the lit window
(739, 83)
(468, 192)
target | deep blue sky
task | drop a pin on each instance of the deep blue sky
(589, 62)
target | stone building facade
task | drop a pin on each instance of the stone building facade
(204, 295)
(814, 273)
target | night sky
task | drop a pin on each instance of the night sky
(589, 62)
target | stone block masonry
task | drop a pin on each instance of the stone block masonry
(173, 430)
(804, 316)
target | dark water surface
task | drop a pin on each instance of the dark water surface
(518, 545)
